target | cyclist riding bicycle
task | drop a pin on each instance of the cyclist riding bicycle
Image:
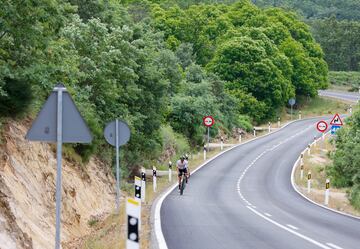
(182, 167)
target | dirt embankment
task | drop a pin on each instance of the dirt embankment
(27, 192)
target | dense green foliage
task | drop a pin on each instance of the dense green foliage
(341, 9)
(348, 79)
(335, 25)
(159, 67)
(345, 171)
(265, 56)
(340, 41)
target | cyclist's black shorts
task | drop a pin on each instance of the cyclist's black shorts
(182, 171)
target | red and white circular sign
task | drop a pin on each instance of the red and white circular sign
(208, 121)
(322, 126)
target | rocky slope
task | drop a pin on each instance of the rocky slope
(27, 192)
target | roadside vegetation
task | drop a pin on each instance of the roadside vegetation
(345, 170)
(319, 162)
(159, 66)
(346, 81)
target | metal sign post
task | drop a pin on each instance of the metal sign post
(292, 102)
(59, 121)
(208, 138)
(59, 163)
(117, 133)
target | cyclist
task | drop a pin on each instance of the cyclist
(182, 168)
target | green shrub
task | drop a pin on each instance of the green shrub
(351, 79)
(355, 196)
(245, 123)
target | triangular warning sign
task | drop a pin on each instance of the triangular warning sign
(74, 128)
(336, 120)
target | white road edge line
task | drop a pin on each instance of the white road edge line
(307, 198)
(157, 217)
(334, 246)
(267, 214)
(290, 231)
(292, 227)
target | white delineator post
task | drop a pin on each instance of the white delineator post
(222, 143)
(309, 182)
(302, 158)
(204, 153)
(327, 191)
(309, 149)
(138, 192)
(133, 211)
(154, 179)
(170, 171)
(279, 124)
(240, 138)
(301, 171)
(143, 185)
(254, 132)
(314, 141)
(299, 114)
(137, 185)
(269, 127)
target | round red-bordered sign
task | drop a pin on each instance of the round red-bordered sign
(208, 121)
(322, 126)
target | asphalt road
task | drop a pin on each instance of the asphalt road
(352, 97)
(244, 199)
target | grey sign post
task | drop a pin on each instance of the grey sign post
(59, 121)
(117, 133)
(292, 102)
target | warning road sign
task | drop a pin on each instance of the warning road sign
(336, 120)
(322, 126)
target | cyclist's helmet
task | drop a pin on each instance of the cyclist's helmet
(182, 157)
(186, 156)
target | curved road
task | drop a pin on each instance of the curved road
(351, 97)
(244, 199)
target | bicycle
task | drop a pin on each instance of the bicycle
(183, 182)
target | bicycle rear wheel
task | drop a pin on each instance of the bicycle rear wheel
(182, 186)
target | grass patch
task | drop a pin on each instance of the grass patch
(349, 81)
(318, 106)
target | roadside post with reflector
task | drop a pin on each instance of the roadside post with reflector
(301, 170)
(205, 152)
(133, 213)
(309, 182)
(170, 171)
(309, 149)
(143, 185)
(222, 143)
(327, 191)
(154, 179)
(137, 185)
